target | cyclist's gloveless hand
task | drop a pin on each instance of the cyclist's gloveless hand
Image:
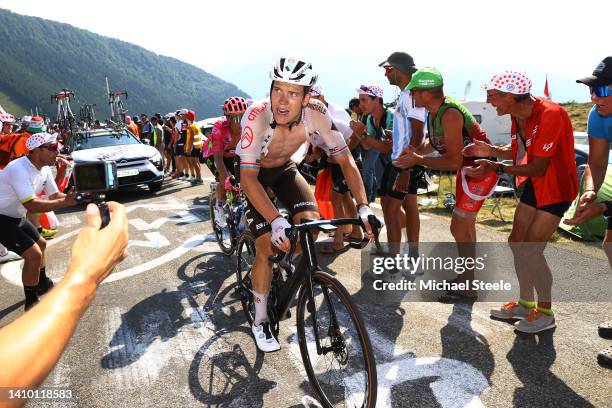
(279, 238)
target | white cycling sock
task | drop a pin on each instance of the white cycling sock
(261, 306)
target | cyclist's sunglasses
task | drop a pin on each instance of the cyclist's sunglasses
(601, 91)
(233, 118)
(51, 147)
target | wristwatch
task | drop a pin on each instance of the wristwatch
(500, 169)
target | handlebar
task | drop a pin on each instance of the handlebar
(292, 233)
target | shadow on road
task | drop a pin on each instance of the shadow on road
(532, 357)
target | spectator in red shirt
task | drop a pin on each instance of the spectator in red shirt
(542, 152)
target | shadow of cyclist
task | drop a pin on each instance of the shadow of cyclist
(221, 374)
(162, 315)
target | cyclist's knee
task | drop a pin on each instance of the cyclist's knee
(263, 246)
(42, 244)
(33, 255)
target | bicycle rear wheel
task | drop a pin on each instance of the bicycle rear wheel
(222, 228)
(245, 257)
(344, 373)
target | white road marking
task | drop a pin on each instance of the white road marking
(457, 384)
(189, 244)
(183, 217)
(154, 240)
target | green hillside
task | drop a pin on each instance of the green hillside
(40, 57)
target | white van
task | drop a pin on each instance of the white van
(497, 127)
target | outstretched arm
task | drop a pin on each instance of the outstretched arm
(31, 345)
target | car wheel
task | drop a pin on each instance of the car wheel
(154, 187)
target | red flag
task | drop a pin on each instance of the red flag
(546, 91)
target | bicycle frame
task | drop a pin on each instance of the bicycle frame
(302, 277)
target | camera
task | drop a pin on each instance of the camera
(92, 181)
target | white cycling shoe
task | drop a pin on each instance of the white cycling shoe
(264, 338)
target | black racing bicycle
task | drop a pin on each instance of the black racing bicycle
(333, 340)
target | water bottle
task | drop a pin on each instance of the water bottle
(242, 220)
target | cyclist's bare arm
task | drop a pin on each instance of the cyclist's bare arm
(220, 164)
(257, 194)
(352, 176)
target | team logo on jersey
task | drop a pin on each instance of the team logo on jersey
(257, 110)
(535, 129)
(547, 146)
(247, 137)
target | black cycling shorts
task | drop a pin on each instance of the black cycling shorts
(417, 180)
(196, 152)
(338, 181)
(528, 198)
(17, 234)
(179, 150)
(290, 188)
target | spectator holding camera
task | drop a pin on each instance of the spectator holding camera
(31, 345)
(21, 182)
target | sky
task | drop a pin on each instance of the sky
(239, 41)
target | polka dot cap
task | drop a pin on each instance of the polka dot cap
(39, 139)
(513, 82)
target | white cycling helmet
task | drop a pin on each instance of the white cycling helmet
(293, 71)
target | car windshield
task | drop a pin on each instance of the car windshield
(103, 139)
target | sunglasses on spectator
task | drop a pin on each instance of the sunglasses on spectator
(51, 147)
(601, 91)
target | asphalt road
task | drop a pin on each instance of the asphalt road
(166, 330)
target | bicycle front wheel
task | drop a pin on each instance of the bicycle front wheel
(223, 233)
(343, 371)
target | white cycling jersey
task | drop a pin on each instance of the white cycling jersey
(21, 182)
(257, 133)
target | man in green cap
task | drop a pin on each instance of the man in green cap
(450, 127)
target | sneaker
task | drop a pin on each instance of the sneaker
(44, 286)
(220, 217)
(264, 338)
(605, 330)
(48, 233)
(535, 322)
(28, 306)
(604, 357)
(510, 311)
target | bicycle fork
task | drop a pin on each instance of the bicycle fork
(309, 253)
